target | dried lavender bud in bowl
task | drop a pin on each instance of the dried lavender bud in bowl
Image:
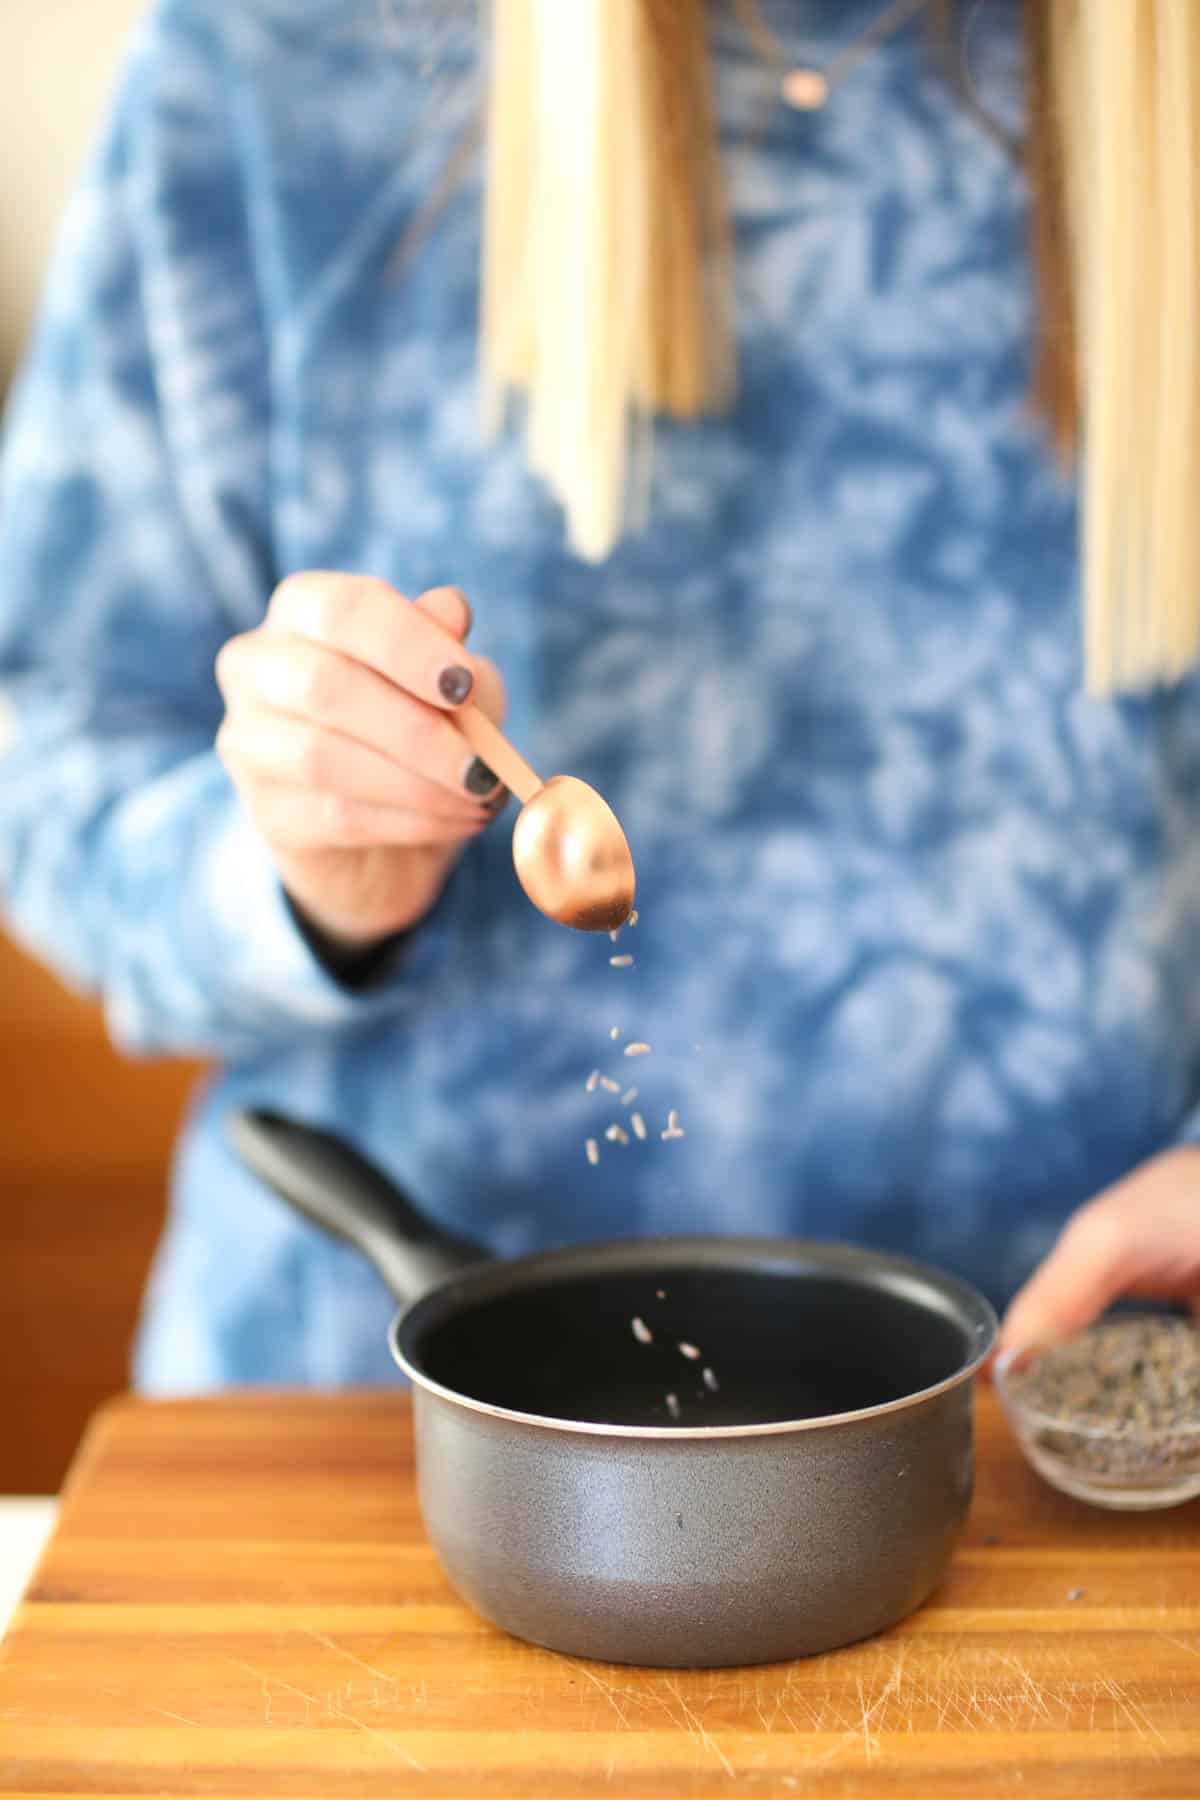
(1112, 1415)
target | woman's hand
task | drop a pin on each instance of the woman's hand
(1140, 1237)
(337, 738)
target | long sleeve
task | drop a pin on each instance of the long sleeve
(135, 536)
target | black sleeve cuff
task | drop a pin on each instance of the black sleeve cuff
(356, 969)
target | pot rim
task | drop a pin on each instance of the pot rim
(899, 1274)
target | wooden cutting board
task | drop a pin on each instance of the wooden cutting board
(239, 1601)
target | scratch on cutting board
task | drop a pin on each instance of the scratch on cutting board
(1102, 1687)
(872, 1711)
(868, 1741)
(373, 1731)
(760, 1709)
(998, 1691)
(178, 1717)
(696, 1727)
(1137, 1716)
(380, 1696)
(609, 1692)
(117, 1694)
(318, 1637)
(1037, 1698)
(269, 1684)
(863, 1729)
(945, 1691)
(795, 1693)
(791, 1692)
(999, 1705)
(962, 1698)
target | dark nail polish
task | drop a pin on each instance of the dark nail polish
(479, 779)
(455, 683)
(499, 800)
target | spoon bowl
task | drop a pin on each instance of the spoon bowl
(572, 858)
(569, 851)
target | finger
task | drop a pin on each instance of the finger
(290, 674)
(294, 818)
(1094, 1261)
(278, 746)
(451, 608)
(369, 621)
(447, 607)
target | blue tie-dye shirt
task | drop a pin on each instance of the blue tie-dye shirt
(920, 932)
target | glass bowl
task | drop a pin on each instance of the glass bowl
(1112, 1415)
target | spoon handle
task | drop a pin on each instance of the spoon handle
(497, 752)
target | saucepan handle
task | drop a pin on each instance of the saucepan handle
(331, 1184)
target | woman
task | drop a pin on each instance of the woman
(920, 921)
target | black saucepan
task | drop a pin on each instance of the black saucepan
(811, 1498)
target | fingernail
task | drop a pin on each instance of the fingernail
(455, 683)
(479, 779)
(498, 802)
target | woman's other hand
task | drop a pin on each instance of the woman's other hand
(1140, 1238)
(338, 738)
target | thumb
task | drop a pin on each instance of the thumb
(1086, 1270)
(1141, 1238)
